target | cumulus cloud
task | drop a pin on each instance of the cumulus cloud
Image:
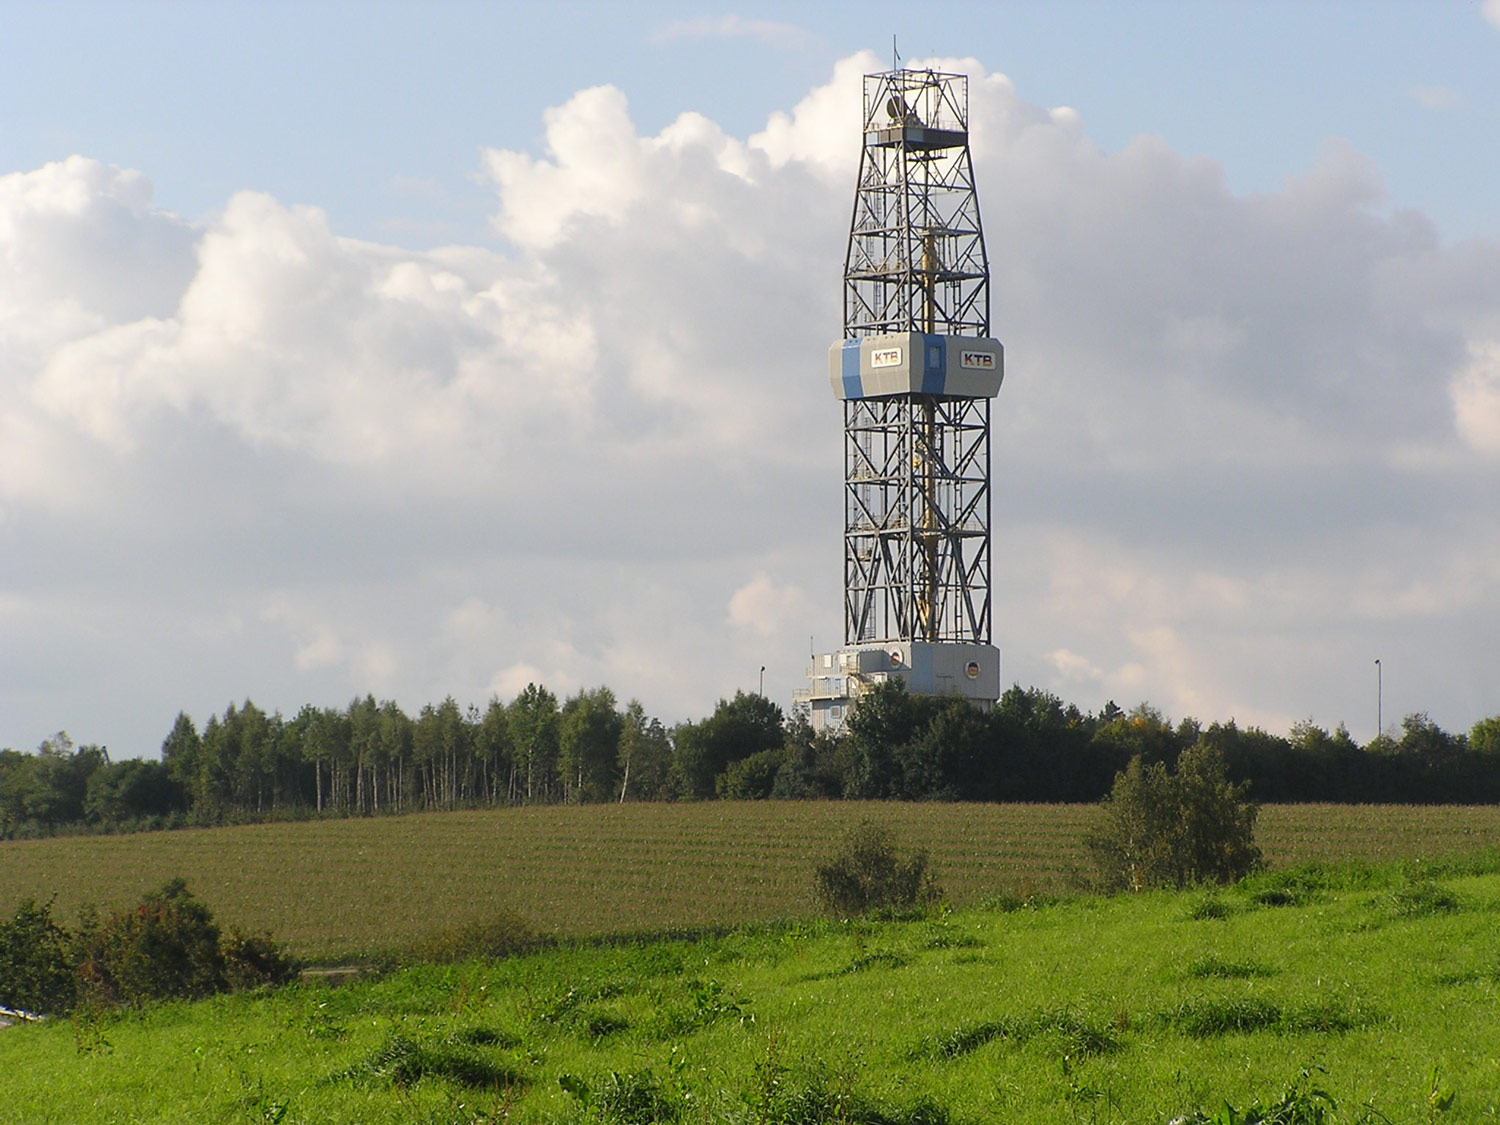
(767, 609)
(1476, 399)
(1437, 98)
(1240, 446)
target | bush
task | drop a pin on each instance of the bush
(870, 875)
(1159, 828)
(165, 948)
(36, 974)
(254, 960)
(500, 935)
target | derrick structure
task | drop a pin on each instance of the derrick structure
(916, 370)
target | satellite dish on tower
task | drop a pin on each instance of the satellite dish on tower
(900, 112)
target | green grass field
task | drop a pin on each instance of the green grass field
(1135, 1009)
(344, 887)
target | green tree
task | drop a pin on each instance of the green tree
(497, 753)
(182, 753)
(251, 738)
(645, 756)
(1160, 828)
(441, 748)
(589, 746)
(1484, 737)
(951, 758)
(534, 731)
(1144, 732)
(885, 720)
(1424, 740)
(814, 764)
(365, 751)
(55, 790)
(134, 789)
(395, 753)
(325, 745)
(752, 778)
(739, 727)
(17, 779)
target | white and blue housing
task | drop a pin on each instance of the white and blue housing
(919, 363)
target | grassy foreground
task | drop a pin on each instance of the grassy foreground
(1133, 1009)
(345, 887)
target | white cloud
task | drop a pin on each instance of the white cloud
(1491, 10)
(766, 608)
(1242, 439)
(1476, 399)
(772, 33)
(1437, 98)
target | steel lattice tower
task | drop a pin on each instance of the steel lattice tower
(916, 369)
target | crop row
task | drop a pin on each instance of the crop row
(328, 887)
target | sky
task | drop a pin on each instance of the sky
(434, 349)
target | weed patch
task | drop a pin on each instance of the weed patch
(954, 941)
(1203, 1019)
(1077, 1036)
(1285, 895)
(1214, 968)
(701, 1003)
(778, 1095)
(880, 959)
(630, 1098)
(1301, 1103)
(1212, 908)
(402, 1061)
(1419, 899)
(1008, 902)
(1208, 1017)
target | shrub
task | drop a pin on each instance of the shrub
(1159, 828)
(253, 960)
(870, 875)
(36, 974)
(500, 935)
(165, 948)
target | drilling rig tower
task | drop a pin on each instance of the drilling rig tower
(916, 370)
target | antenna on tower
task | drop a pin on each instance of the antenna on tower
(895, 56)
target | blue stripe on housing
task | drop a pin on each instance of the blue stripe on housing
(934, 365)
(853, 388)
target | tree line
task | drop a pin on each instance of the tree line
(371, 757)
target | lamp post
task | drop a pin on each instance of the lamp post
(762, 680)
(1379, 700)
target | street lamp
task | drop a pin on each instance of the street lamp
(1379, 717)
(762, 680)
